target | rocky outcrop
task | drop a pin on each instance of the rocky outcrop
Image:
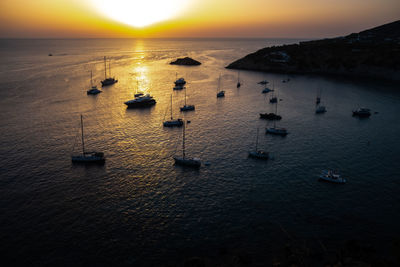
(372, 53)
(186, 61)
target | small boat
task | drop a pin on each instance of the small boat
(93, 88)
(88, 157)
(107, 80)
(271, 116)
(238, 80)
(141, 101)
(320, 109)
(273, 98)
(138, 93)
(172, 122)
(331, 176)
(50, 55)
(318, 98)
(362, 112)
(220, 93)
(179, 87)
(263, 82)
(185, 161)
(180, 81)
(277, 131)
(258, 154)
(187, 107)
(266, 90)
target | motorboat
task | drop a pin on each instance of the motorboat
(332, 176)
(221, 94)
(141, 101)
(362, 112)
(263, 82)
(180, 81)
(273, 99)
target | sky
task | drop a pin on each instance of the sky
(192, 18)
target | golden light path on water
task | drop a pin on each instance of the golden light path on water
(140, 13)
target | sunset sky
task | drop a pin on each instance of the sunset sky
(191, 18)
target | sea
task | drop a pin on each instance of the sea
(139, 209)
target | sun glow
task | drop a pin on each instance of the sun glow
(140, 13)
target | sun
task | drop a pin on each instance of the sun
(140, 13)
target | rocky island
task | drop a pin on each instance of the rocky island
(186, 61)
(373, 53)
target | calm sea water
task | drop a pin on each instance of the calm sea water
(141, 209)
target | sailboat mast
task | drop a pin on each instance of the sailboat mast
(257, 140)
(105, 68)
(171, 107)
(185, 96)
(83, 141)
(109, 67)
(91, 79)
(219, 83)
(183, 141)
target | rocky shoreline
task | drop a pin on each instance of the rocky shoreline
(373, 53)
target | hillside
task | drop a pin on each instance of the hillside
(371, 53)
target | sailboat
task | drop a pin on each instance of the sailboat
(87, 157)
(258, 154)
(220, 93)
(266, 89)
(110, 80)
(238, 80)
(187, 107)
(185, 161)
(319, 108)
(276, 130)
(273, 98)
(271, 116)
(318, 98)
(93, 88)
(172, 122)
